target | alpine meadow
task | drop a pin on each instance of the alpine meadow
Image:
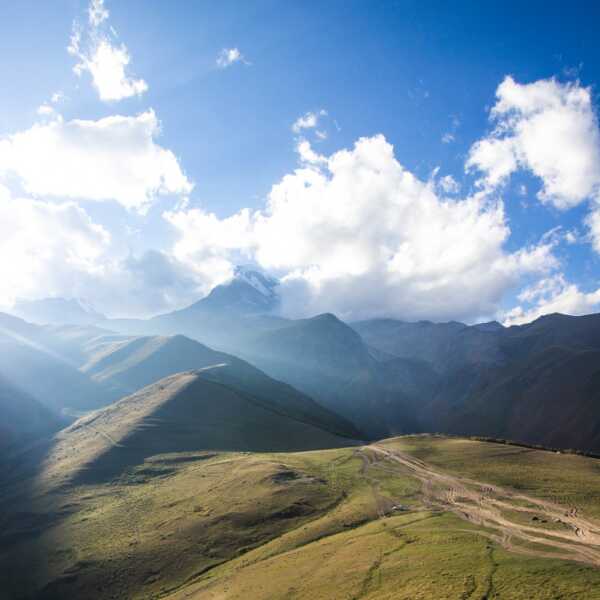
(299, 300)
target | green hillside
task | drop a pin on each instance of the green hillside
(410, 517)
(185, 412)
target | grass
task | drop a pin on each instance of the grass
(567, 479)
(319, 524)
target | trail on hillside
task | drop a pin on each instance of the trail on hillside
(517, 522)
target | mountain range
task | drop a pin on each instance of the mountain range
(389, 376)
(537, 383)
(223, 447)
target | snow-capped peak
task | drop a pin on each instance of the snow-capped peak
(264, 284)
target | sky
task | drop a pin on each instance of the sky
(404, 159)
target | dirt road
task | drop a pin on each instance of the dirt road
(517, 522)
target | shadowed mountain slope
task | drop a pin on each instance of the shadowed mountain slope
(132, 363)
(184, 412)
(538, 383)
(87, 367)
(35, 368)
(328, 360)
(23, 418)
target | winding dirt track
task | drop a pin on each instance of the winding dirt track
(517, 522)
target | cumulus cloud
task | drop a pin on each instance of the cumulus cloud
(448, 138)
(230, 56)
(56, 249)
(210, 246)
(49, 245)
(115, 158)
(309, 120)
(307, 154)
(550, 295)
(97, 12)
(449, 185)
(548, 128)
(45, 110)
(361, 236)
(106, 61)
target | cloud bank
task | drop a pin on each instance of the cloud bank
(361, 236)
(115, 158)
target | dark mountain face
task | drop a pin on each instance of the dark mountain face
(328, 360)
(538, 383)
(390, 376)
(444, 346)
(384, 375)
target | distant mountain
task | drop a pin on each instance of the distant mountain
(249, 292)
(224, 319)
(129, 364)
(328, 360)
(57, 311)
(537, 383)
(30, 363)
(444, 346)
(77, 369)
(184, 412)
(389, 376)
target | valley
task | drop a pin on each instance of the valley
(408, 517)
(295, 459)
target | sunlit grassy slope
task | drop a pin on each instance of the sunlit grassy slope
(337, 523)
(569, 479)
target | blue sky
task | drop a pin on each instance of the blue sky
(423, 75)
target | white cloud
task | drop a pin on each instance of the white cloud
(56, 249)
(49, 245)
(97, 12)
(106, 62)
(593, 223)
(210, 246)
(309, 120)
(448, 138)
(229, 56)
(449, 185)
(115, 158)
(361, 236)
(548, 128)
(307, 154)
(496, 158)
(57, 97)
(107, 67)
(550, 295)
(571, 237)
(45, 110)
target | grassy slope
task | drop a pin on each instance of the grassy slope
(568, 479)
(302, 525)
(409, 555)
(183, 412)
